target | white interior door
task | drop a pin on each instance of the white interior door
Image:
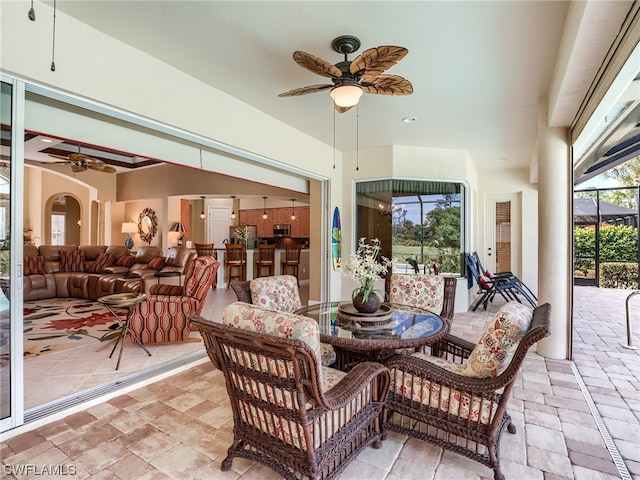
(218, 227)
(503, 237)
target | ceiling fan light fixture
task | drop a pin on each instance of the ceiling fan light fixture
(346, 95)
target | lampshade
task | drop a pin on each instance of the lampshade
(178, 227)
(129, 227)
(346, 95)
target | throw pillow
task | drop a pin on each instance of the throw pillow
(499, 341)
(33, 265)
(102, 261)
(156, 263)
(126, 261)
(72, 261)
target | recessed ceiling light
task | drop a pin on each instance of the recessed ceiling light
(46, 140)
(409, 119)
(503, 160)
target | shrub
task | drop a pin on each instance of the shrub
(619, 275)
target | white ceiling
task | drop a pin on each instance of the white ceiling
(478, 68)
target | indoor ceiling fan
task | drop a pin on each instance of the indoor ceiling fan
(351, 78)
(79, 162)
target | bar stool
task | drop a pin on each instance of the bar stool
(206, 250)
(291, 260)
(266, 258)
(235, 259)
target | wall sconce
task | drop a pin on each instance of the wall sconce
(293, 215)
(129, 228)
(202, 215)
(264, 211)
(233, 212)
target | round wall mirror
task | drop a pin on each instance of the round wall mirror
(147, 225)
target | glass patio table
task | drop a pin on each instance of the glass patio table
(354, 340)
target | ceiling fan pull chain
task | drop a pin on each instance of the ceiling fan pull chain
(357, 137)
(53, 49)
(334, 138)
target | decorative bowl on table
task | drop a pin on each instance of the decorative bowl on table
(381, 317)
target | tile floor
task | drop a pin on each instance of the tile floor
(180, 427)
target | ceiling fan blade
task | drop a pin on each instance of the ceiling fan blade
(305, 90)
(60, 157)
(316, 65)
(374, 61)
(78, 168)
(108, 169)
(388, 85)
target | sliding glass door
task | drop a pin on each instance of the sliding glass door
(11, 119)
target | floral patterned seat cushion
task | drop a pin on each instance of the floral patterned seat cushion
(277, 323)
(285, 325)
(422, 291)
(276, 293)
(489, 358)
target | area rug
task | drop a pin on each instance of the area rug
(55, 325)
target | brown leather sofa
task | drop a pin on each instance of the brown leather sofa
(49, 272)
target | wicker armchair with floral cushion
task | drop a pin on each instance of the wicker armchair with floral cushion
(290, 413)
(280, 293)
(163, 316)
(431, 292)
(458, 398)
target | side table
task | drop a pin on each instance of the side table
(160, 275)
(124, 300)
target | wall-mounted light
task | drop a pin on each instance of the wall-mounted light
(293, 214)
(202, 215)
(233, 212)
(264, 211)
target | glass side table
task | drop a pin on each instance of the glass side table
(129, 301)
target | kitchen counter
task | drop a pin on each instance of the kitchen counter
(303, 270)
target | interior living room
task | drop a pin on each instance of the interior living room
(165, 138)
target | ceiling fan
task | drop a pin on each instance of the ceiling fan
(352, 78)
(79, 162)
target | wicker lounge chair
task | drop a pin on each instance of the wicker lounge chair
(290, 413)
(457, 399)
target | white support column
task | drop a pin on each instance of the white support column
(554, 232)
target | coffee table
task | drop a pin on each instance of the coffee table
(354, 342)
(124, 300)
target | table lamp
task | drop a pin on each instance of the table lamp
(179, 227)
(129, 228)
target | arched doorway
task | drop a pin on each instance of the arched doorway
(63, 223)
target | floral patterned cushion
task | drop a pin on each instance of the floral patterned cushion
(276, 323)
(422, 291)
(499, 340)
(276, 293)
(327, 354)
(443, 398)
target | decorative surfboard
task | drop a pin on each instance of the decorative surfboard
(336, 239)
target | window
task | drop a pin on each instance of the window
(58, 233)
(419, 223)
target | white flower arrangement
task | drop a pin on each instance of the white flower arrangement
(366, 266)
